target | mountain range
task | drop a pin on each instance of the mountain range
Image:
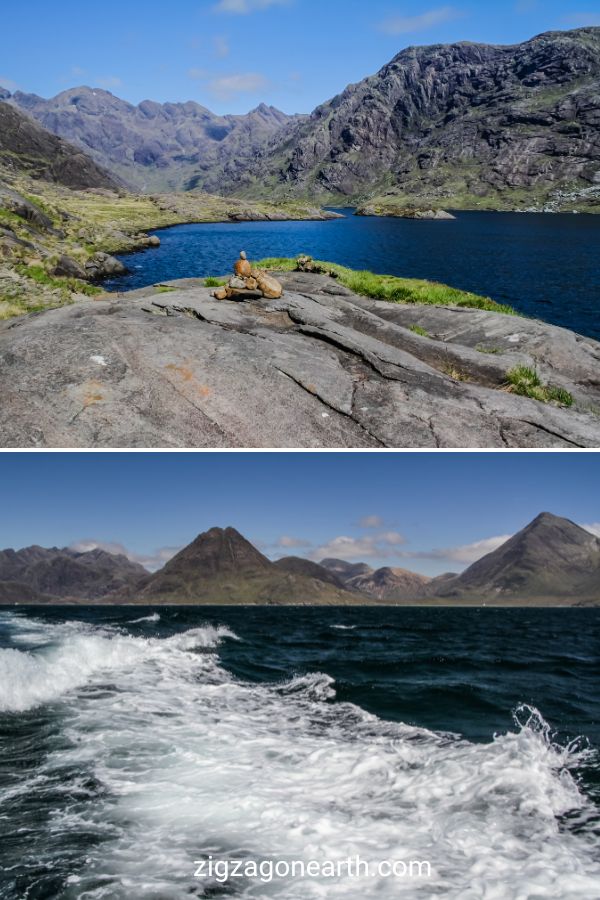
(460, 125)
(154, 146)
(550, 561)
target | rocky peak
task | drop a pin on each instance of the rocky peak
(218, 551)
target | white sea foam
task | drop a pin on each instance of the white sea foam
(193, 761)
(153, 617)
(344, 627)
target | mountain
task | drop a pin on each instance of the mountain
(299, 566)
(460, 125)
(28, 148)
(59, 574)
(550, 558)
(221, 566)
(386, 584)
(345, 570)
(391, 585)
(154, 146)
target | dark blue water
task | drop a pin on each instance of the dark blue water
(546, 266)
(134, 740)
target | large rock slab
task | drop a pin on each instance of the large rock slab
(319, 367)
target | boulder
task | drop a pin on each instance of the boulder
(103, 265)
(153, 241)
(269, 286)
(67, 267)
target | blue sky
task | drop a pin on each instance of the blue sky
(430, 512)
(230, 55)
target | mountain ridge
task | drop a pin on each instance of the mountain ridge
(551, 560)
(463, 125)
(154, 146)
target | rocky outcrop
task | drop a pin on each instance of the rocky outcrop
(402, 212)
(103, 265)
(320, 367)
(462, 125)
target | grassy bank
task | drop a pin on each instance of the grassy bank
(78, 224)
(393, 288)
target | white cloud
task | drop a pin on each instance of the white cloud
(198, 74)
(150, 561)
(229, 86)
(464, 553)
(593, 528)
(420, 22)
(221, 46)
(379, 546)
(581, 19)
(243, 7)
(8, 83)
(370, 522)
(287, 541)
(108, 81)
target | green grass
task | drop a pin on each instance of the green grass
(163, 289)
(527, 383)
(481, 349)
(214, 282)
(396, 290)
(66, 285)
(418, 330)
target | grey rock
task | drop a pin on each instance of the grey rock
(312, 369)
(70, 268)
(103, 265)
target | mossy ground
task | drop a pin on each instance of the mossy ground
(392, 288)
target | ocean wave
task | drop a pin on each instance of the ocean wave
(73, 655)
(192, 761)
(153, 617)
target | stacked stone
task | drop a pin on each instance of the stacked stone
(249, 283)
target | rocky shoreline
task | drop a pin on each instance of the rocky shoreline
(172, 366)
(57, 244)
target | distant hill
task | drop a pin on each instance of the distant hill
(389, 585)
(60, 574)
(154, 146)
(221, 566)
(28, 148)
(346, 570)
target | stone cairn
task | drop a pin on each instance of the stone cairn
(249, 283)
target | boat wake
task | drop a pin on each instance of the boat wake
(163, 758)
